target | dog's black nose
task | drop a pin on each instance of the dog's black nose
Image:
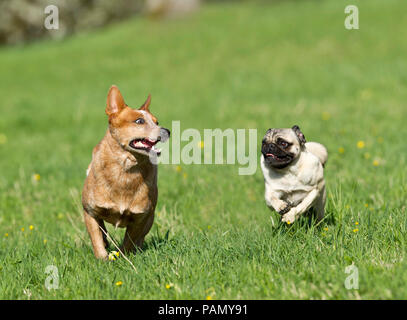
(168, 131)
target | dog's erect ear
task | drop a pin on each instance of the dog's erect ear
(146, 104)
(115, 102)
(299, 134)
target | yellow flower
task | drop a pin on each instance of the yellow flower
(367, 155)
(376, 162)
(288, 222)
(22, 229)
(208, 298)
(36, 177)
(356, 223)
(45, 241)
(169, 286)
(3, 139)
(112, 255)
(341, 150)
(326, 116)
(185, 175)
(119, 283)
(60, 215)
(6, 234)
(360, 144)
(31, 227)
(366, 205)
(178, 168)
(326, 229)
(201, 144)
(209, 227)
(355, 230)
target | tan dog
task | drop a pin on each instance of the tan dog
(121, 183)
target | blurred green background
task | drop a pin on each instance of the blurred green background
(234, 64)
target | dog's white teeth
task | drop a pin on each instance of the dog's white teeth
(156, 149)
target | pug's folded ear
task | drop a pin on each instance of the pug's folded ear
(299, 134)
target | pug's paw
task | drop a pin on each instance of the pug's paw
(289, 217)
(283, 207)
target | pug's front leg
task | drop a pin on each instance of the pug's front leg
(274, 202)
(302, 207)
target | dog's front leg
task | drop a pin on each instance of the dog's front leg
(96, 235)
(274, 202)
(302, 207)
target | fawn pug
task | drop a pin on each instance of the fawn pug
(293, 172)
(121, 183)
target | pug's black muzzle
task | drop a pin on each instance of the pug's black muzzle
(274, 156)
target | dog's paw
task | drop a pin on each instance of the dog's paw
(289, 217)
(283, 207)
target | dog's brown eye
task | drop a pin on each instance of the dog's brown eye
(139, 121)
(283, 143)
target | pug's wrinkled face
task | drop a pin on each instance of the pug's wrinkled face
(280, 147)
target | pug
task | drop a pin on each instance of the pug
(293, 172)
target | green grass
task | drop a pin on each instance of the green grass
(231, 66)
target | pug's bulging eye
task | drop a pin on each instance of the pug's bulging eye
(283, 143)
(139, 121)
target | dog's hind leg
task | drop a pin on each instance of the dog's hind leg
(96, 235)
(320, 205)
(136, 231)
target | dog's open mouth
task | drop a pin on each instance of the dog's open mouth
(278, 158)
(146, 145)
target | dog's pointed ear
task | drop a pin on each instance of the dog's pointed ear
(146, 104)
(115, 102)
(299, 134)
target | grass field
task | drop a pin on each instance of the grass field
(231, 66)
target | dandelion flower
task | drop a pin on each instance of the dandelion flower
(355, 230)
(31, 227)
(119, 283)
(341, 150)
(6, 235)
(36, 177)
(178, 168)
(366, 205)
(112, 255)
(356, 223)
(326, 229)
(208, 298)
(360, 144)
(376, 163)
(22, 229)
(45, 241)
(209, 227)
(169, 286)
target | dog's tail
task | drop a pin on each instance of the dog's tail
(318, 150)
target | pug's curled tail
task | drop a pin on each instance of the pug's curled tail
(318, 150)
